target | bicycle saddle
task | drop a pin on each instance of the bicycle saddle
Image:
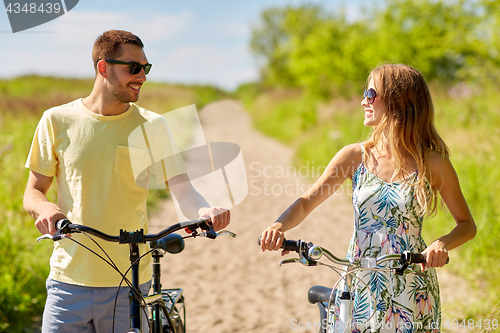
(319, 294)
(172, 243)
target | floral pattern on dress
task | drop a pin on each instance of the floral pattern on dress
(387, 221)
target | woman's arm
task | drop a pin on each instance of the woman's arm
(342, 166)
(445, 179)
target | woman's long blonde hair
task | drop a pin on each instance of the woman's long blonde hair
(408, 125)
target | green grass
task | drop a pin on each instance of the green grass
(293, 113)
(471, 128)
(470, 125)
(22, 291)
(24, 264)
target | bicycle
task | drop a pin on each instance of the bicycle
(165, 308)
(323, 297)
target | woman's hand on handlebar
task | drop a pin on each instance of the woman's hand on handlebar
(435, 254)
(219, 216)
(272, 238)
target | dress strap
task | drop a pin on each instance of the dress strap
(362, 164)
(356, 178)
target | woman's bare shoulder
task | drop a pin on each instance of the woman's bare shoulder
(351, 153)
(348, 159)
(436, 160)
(439, 166)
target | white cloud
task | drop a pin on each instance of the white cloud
(224, 66)
(165, 26)
(239, 29)
(75, 27)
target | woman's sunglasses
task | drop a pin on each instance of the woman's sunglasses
(370, 95)
(133, 67)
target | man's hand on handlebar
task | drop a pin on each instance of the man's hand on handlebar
(219, 216)
(272, 238)
(47, 218)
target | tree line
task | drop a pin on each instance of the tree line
(327, 53)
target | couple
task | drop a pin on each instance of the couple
(81, 144)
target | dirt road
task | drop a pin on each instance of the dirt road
(229, 284)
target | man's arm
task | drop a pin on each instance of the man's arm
(35, 202)
(194, 206)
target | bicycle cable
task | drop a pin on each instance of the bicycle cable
(141, 298)
(137, 293)
(374, 309)
(134, 291)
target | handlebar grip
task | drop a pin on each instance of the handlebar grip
(60, 227)
(62, 223)
(418, 258)
(289, 245)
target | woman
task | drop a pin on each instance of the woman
(396, 176)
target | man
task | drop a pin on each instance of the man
(85, 145)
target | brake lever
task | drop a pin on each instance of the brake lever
(289, 261)
(57, 236)
(303, 260)
(410, 271)
(45, 236)
(212, 234)
(226, 232)
(304, 257)
(422, 274)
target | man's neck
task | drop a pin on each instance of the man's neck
(99, 104)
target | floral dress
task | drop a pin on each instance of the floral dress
(386, 222)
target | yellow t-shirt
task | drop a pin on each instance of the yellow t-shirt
(97, 161)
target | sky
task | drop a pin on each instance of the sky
(189, 41)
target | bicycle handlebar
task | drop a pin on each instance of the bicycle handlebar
(314, 252)
(64, 227)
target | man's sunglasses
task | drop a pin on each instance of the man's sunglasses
(133, 67)
(370, 95)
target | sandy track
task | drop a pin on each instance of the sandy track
(229, 284)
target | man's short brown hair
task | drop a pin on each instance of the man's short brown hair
(107, 45)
